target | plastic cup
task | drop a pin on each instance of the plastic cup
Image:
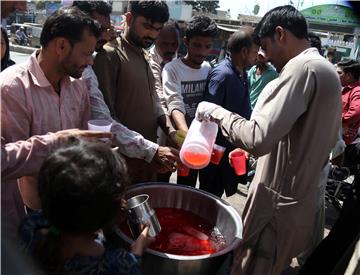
(238, 161)
(99, 125)
(217, 154)
(182, 169)
(102, 125)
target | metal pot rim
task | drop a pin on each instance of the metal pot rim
(227, 206)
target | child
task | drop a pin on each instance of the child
(80, 187)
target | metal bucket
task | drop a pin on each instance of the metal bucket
(206, 205)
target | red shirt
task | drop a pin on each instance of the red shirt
(351, 111)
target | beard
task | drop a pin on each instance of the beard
(145, 42)
(71, 69)
(169, 56)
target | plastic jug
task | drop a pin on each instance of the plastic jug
(198, 144)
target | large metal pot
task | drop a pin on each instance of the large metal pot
(204, 204)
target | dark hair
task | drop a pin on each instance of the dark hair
(89, 7)
(331, 52)
(70, 23)
(315, 41)
(80, 188)
(6, 61)
(239, 40)
(350, 66)
(155, 11)
(201, 25)
(171, 25)
(284, 16)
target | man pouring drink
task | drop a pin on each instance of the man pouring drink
(292, 134)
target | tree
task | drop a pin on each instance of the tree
(204, 6)
(40, 5)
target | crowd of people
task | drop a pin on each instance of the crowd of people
(274, 96)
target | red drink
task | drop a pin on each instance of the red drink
(238, 161)
(217, 154)
(182, 169)
(196, 159)
(184, 233)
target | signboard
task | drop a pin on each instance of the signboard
(332, 14)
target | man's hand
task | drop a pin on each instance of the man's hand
(205, 109)
(165, 159)
(66, 135)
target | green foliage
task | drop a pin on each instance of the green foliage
(204, 6)
(40, 4)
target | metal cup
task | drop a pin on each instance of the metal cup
(140, 214)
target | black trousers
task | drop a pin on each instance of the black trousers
(165, 177)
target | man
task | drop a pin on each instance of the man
(315, 41)
(164, 50)
(227, 86)
(126, 80)
(333, 253)
(130, 143)
(292, 133)
(349, 73)
(21, 37)
(259, 76)
(184, 79)
(8, 7)
(44, 95)
(331, 55)
(319, 227)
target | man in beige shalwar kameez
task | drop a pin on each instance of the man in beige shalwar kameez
(292, 134)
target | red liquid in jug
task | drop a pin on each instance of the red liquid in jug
(196, 159)
(184, 233)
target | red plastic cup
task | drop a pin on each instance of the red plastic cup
(238, 161)
(182, 169)
(217, 154)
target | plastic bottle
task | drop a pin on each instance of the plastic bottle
(198, 144)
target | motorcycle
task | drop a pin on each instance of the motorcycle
(340, 184)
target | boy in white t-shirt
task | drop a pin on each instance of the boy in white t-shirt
(184, 79)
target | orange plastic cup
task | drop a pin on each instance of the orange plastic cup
(217, 154)
(182, 169)
(238, 161)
